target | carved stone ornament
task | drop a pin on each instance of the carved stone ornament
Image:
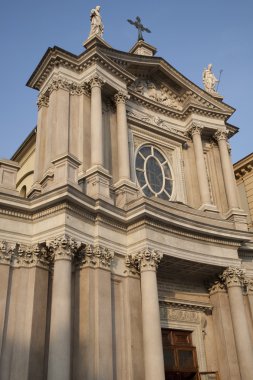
(169, 313)
(64, 247)
(154, 120)
(96, 81)
(217, 286)
(249, 286)
(146, 259)
(195, 129)
(233, 276)
(221, 135)
(157, 93)
(43, 101)
(5, 252)
(79, 89)
(94, 256)
(121, 97)
(59, 83)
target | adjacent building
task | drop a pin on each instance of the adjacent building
(125, 253)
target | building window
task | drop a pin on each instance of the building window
(153, 172)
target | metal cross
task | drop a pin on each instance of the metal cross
(140, 27)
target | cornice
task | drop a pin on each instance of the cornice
(56, 57)
(244, 167)
(172, 217)
(185, 305)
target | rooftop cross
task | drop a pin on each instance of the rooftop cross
(140, 27)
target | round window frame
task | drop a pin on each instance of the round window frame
(147, 183)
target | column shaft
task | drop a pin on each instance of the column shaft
(122, 129)
(227, 170)
(97, 156)
(201, 167)
(242, 337)
(152, 338)
(60, 328)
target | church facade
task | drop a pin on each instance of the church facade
(124, 251)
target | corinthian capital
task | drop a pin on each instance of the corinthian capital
(221, 135)
(95, 256)
(249, 285)
(43, 101)
(216, 287)
(59, 83)
(63, 247)
(233, 276)
(121, 97)
(5, 253)
(146, 259)
(195, 129)
(96, 81)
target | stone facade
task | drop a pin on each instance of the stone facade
(119, 216)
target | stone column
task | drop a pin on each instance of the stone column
(195, 132)
(93, 342)
(59, 360)
(250, 296)
(97, 149)
(147, 262)
(122, 129)
(234, 278)
(227, 169)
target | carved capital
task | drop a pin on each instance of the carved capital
(147, 259)
(249, 286)
(63, 248)
(121, 97)
(221, 135)
(43, 101)
(95, 256)
(76, 89)
(233, 276)
(96, 81)
(217, 287)
(59, 83)
(5, 252)
(35, 255)
(195, 129)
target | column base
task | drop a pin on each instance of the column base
(65, 171)
(208, 207)
(238, 217)
(97, 183)
(125, 192)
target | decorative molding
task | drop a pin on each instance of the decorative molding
(43, 101)
(154, 120)
(95, 256)
(170, 311)
(146, 259)
(233, 276)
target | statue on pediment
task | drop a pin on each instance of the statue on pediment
(97, 27)
(209, 79)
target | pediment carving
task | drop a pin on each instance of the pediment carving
(157, 93)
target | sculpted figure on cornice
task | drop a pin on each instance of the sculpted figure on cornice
(156, 92)
(209, 79)
(97, 27)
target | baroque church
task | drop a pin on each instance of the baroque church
(125, 253)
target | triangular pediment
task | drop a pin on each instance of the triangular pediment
(162, 87)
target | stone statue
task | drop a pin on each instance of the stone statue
(97, 27)
(209, 79)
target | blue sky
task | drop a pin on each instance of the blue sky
(189, 34)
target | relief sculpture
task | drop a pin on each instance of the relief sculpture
(156, 92)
